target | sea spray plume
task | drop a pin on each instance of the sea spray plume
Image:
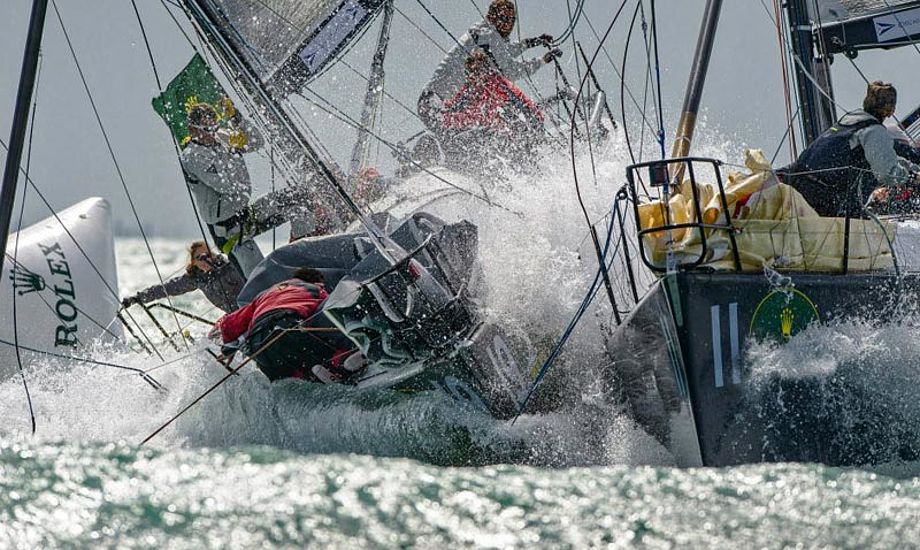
(846, 384)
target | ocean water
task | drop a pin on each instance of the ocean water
(297, 465)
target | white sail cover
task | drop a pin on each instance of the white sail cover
(62, 304)
(289, 39)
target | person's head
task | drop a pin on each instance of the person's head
(426, 151)
(502, 15)
(202, 120)
(200, 258)
(881, 100)
(309, 275)
(477, 64)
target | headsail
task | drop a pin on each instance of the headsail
(288, 42)
(852, 25)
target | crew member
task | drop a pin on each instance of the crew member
(489, 101)
(220, 182)
(490, 35)
(285, 333)
(211, 273)
(489, 115)
(854, 160)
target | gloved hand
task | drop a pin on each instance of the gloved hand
(228, 108)
(542, 40)
(129, 301)
(552, 54)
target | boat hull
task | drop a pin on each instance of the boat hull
(680, 367)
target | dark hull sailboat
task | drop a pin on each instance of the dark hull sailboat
(681, 364)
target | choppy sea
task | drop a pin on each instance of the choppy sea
(296, 465)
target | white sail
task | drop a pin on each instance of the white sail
(62, 303)
(289, 41)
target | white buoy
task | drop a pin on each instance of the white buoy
(62, 304)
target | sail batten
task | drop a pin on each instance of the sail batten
(288, 42)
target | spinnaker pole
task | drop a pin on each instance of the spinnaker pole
(374, 89)
(694, 93)
(21, 119)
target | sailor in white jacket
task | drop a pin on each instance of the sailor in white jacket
(490, 35)
(219, 180)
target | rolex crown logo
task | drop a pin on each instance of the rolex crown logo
(24, 279)
(786, 319)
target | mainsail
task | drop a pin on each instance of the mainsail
(288, 42)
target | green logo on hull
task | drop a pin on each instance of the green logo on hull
(782, 314)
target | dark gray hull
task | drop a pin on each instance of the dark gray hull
(680, 369)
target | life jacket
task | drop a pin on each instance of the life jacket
(294, 295)
(830, 173)
(493, 102)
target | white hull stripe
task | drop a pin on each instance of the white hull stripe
(717, 346)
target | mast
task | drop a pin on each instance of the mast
(247, 76)
(20, 119)
(698, 70)
(374, 88)
(817, 111)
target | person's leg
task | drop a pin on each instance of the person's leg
(246, 255)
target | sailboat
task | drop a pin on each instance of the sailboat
(741, 260)
(406, 281)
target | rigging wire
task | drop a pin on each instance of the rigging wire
(601, 254)
(438, 22)
(648, 80)
(108, 143)
(419, 29)
(573, 22)
(83, 252)
(616, 69)
(632, 26)
(793, 146)
(22, 210)
(147, 378)
(156, 76)
(346, 119)
(659, 107)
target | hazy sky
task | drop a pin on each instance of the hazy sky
(743, 102)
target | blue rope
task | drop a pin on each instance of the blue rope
(570, 329)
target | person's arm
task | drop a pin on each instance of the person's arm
(506, 57)
(173, 287)
(254, 139)
(233, 325)
(878, 146)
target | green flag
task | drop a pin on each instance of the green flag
(195, 84)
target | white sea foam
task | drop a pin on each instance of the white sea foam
(537, 265)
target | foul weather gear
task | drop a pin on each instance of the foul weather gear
(492, 102)
(838, 172)
(286, 311)
(450, 75)
(220, 286)
(219, 180)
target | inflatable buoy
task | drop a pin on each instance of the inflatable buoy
(65, 298)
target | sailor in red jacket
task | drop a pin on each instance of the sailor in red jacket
(489, 101)
(292, 309)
